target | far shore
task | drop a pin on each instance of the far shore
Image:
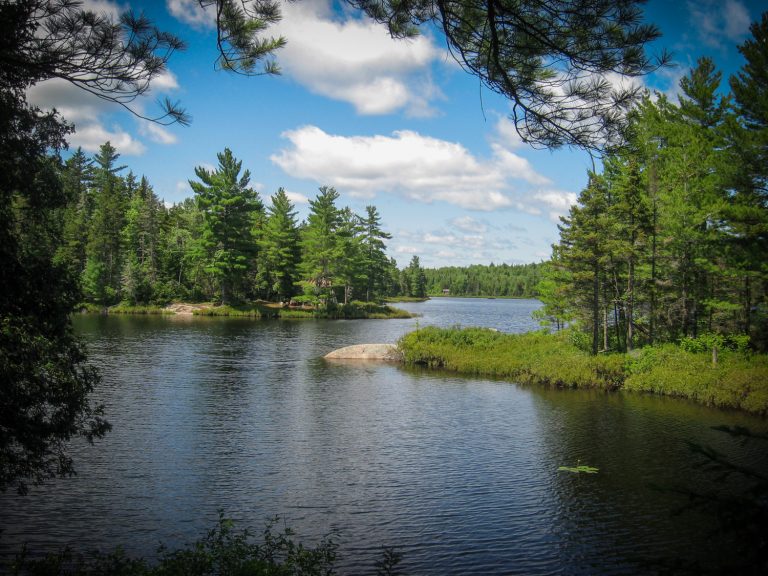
(259, 309)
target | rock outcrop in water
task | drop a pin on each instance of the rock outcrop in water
(383, 352)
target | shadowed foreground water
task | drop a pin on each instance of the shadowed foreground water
(460, 475)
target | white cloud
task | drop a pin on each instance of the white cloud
(517, 165)
(105, 7)
(70, 101)
(356, 61)
(89, 114)
(406, 250)
(91, 136)
(469, 224)
(156, 133)
(443, 239)
(165, 82)
(407, 163)
(297, 197)
(190, 12)
(555, 202)
(506, 134)
(736, 19)
(716, 22)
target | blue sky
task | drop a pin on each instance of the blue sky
(392, 123)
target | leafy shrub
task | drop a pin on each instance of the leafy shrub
(706, 342)
(222, 551)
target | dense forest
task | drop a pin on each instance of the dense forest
(225, 244)
(669, 240)
(503, 280)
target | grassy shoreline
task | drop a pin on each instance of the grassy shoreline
(256, 310)
(738, 381)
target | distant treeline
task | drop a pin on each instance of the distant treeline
(502, 280)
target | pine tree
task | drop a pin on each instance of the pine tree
(227, 205)
(141, 238)
(319, 243)
(102, 275)
(375, 262)
(77, 180)
(279, 248)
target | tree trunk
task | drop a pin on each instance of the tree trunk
(630, 303)
(595, 310)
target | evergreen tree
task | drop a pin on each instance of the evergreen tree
(375, 263)
(227, 205)
(141, 239)
(319, 243)
(103, 269)
(417, 281)
(279, 248)
(77, 181)
(582, 251)
(350, 269)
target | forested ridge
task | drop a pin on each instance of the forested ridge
(669, 240)
(493, 280)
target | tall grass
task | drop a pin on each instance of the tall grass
(738, 381)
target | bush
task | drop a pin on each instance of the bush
(222, 551)
(737, 381)
(706, 342)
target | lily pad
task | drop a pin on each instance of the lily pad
(578, 469)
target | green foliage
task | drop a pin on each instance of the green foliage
(128, 308)
(238, 310)
(494, 280)
(669, 242)
(227, 205)
(579, 469)
(223, 550)
(535, 357)
(45, 382)
(279, 248)
(706, 342)
(737, 381)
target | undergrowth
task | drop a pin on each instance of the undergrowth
(738, 380)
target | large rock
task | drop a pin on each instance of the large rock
(386, 352)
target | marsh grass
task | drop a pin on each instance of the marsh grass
(739, 380)
(125, 308)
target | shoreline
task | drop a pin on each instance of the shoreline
(737, 381)
(255, 310)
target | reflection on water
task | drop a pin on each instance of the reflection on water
(460, 475)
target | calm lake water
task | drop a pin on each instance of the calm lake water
(460, 475)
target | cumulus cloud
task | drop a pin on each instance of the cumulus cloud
(506, 134)
(356, 61)
(91, 136)
(297, 197)
(716, 22)
(105, 7)
(156, 133)
(555, 203)
(469, 224)
(407, 163)
(442, 239)
(190, 12)
(406, 250)
(91, 115)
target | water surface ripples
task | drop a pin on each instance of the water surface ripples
(460, 475)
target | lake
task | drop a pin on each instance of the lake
(460, 475)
